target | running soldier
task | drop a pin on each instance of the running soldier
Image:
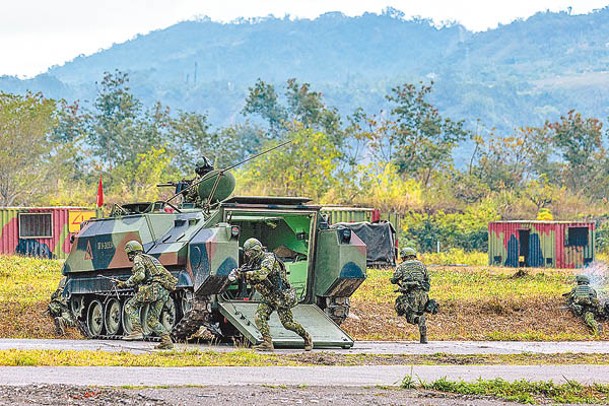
(413, 284)
(267, 274)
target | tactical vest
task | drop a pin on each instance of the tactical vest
(156, 272)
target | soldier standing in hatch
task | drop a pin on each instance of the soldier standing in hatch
(266, 273)
(583, 302)
(413, 282)
(202, 168)
(154, 283)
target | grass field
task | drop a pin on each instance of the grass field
(476, 303)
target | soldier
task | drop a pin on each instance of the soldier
(583, 302)
(413, 282)
(59, 310)
(267, 274)
(202, 168)
(154, 283)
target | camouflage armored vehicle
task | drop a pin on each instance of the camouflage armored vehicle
(201, 246)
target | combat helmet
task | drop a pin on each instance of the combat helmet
(582, 279)
(132, 247)
(408, 252)
(252, 248)
(203, 166)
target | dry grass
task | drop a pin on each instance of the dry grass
(476, 303)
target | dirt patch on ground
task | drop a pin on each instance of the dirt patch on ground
(29, 321)
(251, 395)
(492, 319)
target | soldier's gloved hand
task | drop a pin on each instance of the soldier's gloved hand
(121, 284)
(234, 275)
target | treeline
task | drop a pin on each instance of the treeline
(398, 159)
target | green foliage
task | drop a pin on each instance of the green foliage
(136, 180)
(25, 123)
(454, 256)
(524, 391)
(422, 138)
(467, 230)
(303, 167)
(191, 137)
(581, 143)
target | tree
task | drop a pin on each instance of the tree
(25, 123)
(192, 138)
(120, 128)
(304, 167)
(262, 100)
(510, 161)
(423, 139)
(580, 142)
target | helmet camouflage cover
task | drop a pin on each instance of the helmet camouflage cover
(133, 246)
(582, 279)
(408, 252)
(252, 248)
(203, 165)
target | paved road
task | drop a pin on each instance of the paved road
(311, 376)
(360, 347)
(314, 375)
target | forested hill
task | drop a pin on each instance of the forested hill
(518, 74)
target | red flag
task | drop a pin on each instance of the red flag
(100, 193)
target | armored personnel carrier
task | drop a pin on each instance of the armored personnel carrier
(200, 246)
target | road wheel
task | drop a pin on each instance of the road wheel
(95, 318)
(186, 302)
(169, 314)
(112, 316)
(127, 326)
(143, 316)
(77, 305)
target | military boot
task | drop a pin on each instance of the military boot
(60, 326)
(422, 330)
(308, 342)
(265, 345)
(136, 334)
(165, 344)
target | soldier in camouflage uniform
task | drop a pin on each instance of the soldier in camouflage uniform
(154, 283)
(202, 168)
(59, 310)
(413, 282)
(583, 302)
(266, 273)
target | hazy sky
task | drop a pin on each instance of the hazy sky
(36, 34)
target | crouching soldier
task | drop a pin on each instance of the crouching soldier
(154, 283)
(59, 310)
(583, 302)
(413, 283)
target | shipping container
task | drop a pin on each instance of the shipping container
(41, 231)
(541, 244)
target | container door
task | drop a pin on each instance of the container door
(523, 254)
(324, 331)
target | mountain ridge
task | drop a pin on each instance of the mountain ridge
(522, 73)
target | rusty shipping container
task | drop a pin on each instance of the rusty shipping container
(41, 231)
(551, 244)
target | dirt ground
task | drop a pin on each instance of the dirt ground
(250, 395)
